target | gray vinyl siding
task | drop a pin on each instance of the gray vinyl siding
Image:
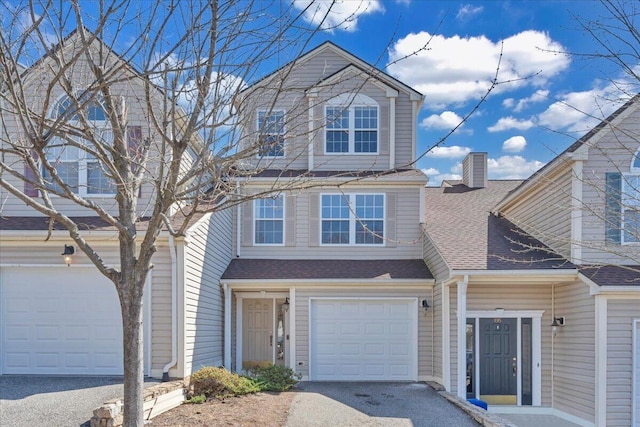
(48, 253)
(433, 259)
(620, 316)
(206, 257)
(425, 326)
(290, 95)
(612, 153)
(546, 214)
(36, 84)
(574, 352)
(406, 245)
(405, 123)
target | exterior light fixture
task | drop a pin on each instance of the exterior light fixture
(557, 321)
(67, 253)
(285, 305)
(425, 305)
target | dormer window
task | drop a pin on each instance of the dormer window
(271, 130)
(352, 125)
(71, 155)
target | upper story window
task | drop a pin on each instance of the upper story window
(269, 221)
(352, 125)
(271, 130)
(631, 202)
(71, 155)
(352, 219)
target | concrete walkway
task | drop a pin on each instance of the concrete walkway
(373, 404)
(534, 420)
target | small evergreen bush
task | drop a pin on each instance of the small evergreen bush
(219, 382)
(201, 398)
(275, 377)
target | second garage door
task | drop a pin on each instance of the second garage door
(59, 321)
(363, 339)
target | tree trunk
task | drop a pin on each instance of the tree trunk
(133, 361)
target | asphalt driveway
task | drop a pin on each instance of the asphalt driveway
(56, 401)
(373, 404)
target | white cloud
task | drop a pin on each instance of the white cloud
(462, 68)
(512, 167)
(430, 171)
(515, 144)
(538, 96)
(342, 15)
(446, 120)
(581, 111)
(508, 102)
(467, 11)
(506, 123)
(453, 152)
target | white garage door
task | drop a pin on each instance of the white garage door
(59, 321)
(363, 340)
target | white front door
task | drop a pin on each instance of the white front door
(363, 339)
(257, 333)
(59, 321)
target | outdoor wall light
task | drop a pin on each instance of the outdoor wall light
(67, 253)
(557, 321)
(285, 304)
(425, 305)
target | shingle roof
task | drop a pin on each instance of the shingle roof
(459, 222)
(613, 275)
(265, 269)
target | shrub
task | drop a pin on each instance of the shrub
(275, 377)
(201, 398)
(219, 382)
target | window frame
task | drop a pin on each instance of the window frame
(282, 133)
(627, 190)
(83, 158)
(256, 219)
(351, 130)
(354, 220)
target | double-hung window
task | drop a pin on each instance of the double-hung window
(269, 221)
(72, 156)
(352, 219)
(352, 128)
(271, 131)
(631, 203)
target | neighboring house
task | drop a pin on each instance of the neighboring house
(512, 258)
(65, 319)
(330, 279)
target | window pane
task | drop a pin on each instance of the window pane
(269, 224)
(337, 118)
(271, 128)
(269, 231)
(335, 232)
(366, 117)
(271, 146)
(370, 219)
(631, 226)
(97, 181)
(366, 141)
(337, 130)
(68, 172)
(337, 141)
(335, 206)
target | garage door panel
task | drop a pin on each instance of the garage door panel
(59, 321)
(363, 339)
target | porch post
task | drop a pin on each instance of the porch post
(227, 327)
(292, 329)
(462, 337)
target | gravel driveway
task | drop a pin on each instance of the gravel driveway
(27, 401)
(373, 404)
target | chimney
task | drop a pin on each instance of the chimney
(474, 170)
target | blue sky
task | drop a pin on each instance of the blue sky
(526, 121)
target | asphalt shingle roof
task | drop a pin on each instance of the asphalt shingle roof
(459, 221)
(613, 275)
(265, 269)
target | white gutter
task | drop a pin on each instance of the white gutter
(238, 223)
(174, 311)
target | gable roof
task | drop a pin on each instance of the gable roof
(459, 221)
(326, 269)
(612, 275)
(360, 64)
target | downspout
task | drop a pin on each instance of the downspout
(174, 311)
(238, 223)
